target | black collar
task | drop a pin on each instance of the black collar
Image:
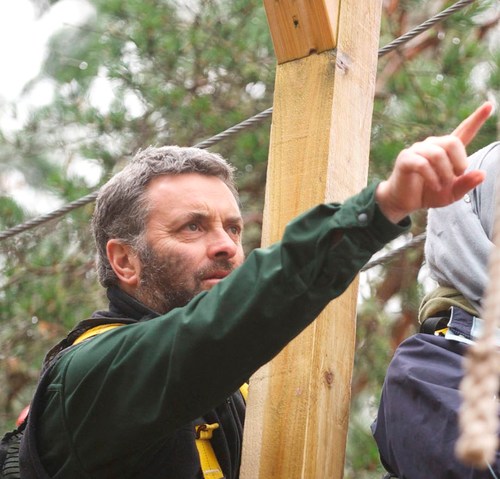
(123, 308)
(123, 305)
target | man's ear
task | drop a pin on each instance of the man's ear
(124, 262)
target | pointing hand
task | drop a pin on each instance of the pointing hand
(430, 173)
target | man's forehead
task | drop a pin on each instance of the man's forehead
(185, 182)
(193, 192)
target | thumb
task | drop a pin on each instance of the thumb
(467, 182)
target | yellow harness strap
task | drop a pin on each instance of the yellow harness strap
(244, 391)
(441, 332)
(209, 464)
(95, 331)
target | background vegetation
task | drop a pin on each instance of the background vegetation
(142, 72)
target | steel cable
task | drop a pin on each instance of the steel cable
(249, 123)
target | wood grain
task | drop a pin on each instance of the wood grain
(301, 27)
(298, 408)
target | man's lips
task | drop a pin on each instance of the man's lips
(213, 277)
(217, 275)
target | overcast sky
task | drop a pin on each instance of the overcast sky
(23, 39)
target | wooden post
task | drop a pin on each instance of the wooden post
(298, 411)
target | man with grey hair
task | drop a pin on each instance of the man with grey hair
(161, 285)
(150, 388)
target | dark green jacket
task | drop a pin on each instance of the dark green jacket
(115, 401)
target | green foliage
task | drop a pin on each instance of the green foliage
(362, 458)
(446, 73)
(434, 90)
(143, 72)
(137, 73)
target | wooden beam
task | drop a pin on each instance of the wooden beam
(301, 27)
(298, 410)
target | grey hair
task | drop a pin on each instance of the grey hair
(121, 209)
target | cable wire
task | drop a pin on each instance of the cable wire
(439, 17)
(395, 253)
(248, 123)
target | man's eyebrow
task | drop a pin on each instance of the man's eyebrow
(197, 215)
(187, 216)
(235, 219)
(204, 216)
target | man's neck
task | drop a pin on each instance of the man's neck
(123, 304)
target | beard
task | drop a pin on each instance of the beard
(165, 282)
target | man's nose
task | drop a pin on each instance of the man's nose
(221, 244)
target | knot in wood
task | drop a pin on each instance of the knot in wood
(329, 377)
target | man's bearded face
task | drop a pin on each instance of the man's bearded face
(192, 239)
(167, 282)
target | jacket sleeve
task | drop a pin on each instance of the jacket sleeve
(149, 378)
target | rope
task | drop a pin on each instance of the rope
(250, 122)
(478, 416)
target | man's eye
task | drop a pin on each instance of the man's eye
(192, 227)
(234, 230)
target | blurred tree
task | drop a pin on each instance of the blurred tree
(137, 72)
(425, 87)
(142, 72)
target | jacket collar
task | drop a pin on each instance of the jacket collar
(123, 305)
(123, 308)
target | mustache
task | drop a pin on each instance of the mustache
(215, 267)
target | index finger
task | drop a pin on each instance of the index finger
(468, 129)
